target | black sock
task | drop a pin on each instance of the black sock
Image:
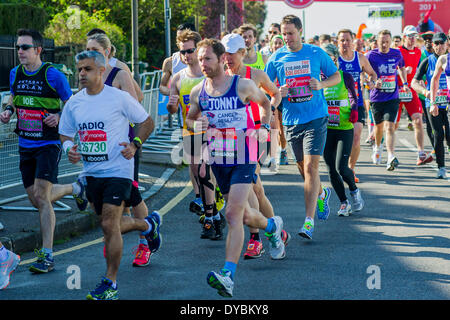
(254, 236)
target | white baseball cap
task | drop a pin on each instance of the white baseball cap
(409, 30)
(233, 42)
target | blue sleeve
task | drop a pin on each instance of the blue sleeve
(12, 77)
(327, 65)
(59, 82)
(270, 69)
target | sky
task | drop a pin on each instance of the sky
(328, 17)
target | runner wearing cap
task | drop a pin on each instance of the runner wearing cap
(409, 99)
(437, 93)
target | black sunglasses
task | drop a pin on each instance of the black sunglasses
(438, 42)
(183, 52)
(24, 47)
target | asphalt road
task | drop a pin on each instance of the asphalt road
(397, 248)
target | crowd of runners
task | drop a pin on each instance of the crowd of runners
(242, 108)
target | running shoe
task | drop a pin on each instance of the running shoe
(307, 230)
(7, 267)
(345, 209)
(254, 249)
(392, 164)
(80, 198)
(44, 263)
(220, 200)
(410, 126)
(219, 225)
(196, 206)
(154, 238)
(277, 247)
(442, 173)
(273, 166)
(323, 209)
(376, 156)
(358, 202)
(222, 282)
(142, 257)
(104, 291)
(207, 230)
(285, 237)
(284, 158)
(424, 159)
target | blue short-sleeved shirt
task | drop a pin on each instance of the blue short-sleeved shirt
(58, 81)
(295, 69)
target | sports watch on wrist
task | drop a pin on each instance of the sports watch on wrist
(137, 142)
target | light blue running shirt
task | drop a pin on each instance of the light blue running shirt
(295, 69)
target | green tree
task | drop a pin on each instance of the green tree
(255, 12)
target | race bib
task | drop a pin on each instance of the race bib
(405, 96)
(222, 143)
(30, 123)
(388, 83)
(334, 118)
(441, 97)
(299, 89)
(93, 145)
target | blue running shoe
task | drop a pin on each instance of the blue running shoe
(307, 230)
(222, 282)
(154, 238)
(283, 158)
(196, 206)
(44, 263)
(323, 210)
(104, 291)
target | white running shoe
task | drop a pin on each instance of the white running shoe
(442, 173)
(222, 282)
(358, 202)
(7, 267)
(345, 209)
(376, 156)
(277, 249)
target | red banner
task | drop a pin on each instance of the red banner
(439, 14)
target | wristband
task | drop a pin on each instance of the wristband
(265, 125)
(67, 145)
(137, 142)
(10, 108)
(138, 139)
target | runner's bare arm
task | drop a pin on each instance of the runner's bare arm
(367, 68)
(194, 115)
(166, 74)
(248, 91)
(124, 82)
(137, 88)
(333, 80)
(269, 87)
(174, 96)
(434, 83)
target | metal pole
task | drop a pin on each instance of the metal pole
(226, 15)
(135, 40)
(167, 17)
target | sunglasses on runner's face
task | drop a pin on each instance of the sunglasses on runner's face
(183, 52)
(24, 47)
(438, 42)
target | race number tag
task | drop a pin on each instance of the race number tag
(388, 83)
(441, 97)
(222, 143)
(405, 96)
(94, 147)
(30, 123)
(299, 89)
(334, 118)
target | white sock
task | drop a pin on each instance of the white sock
(76, 189)
(149, 228)
(311, 220)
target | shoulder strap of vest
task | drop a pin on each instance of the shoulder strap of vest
(248, 72)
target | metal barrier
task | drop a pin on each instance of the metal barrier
(9, 156)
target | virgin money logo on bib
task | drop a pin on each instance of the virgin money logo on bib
(93, 145)
(299, 4)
